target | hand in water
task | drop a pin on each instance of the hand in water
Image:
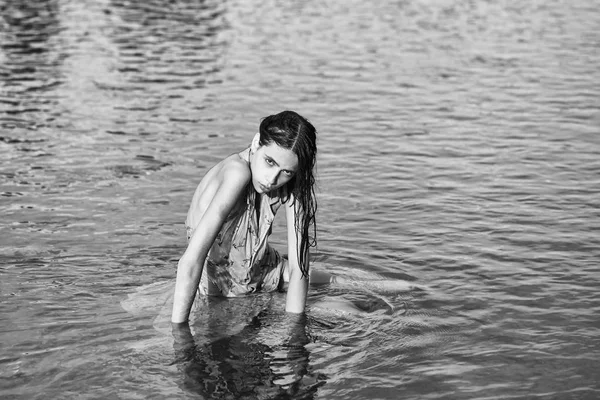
(184, 345)
(238, 364)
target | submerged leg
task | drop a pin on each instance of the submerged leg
(321, 277)
(318, 277)
(385, 285)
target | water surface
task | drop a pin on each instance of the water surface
(458, 149)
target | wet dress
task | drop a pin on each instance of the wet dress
(240, 260)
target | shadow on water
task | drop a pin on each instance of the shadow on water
(246, 364)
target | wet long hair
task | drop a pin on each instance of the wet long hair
(293, 132)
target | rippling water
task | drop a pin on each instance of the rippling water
(458, 148)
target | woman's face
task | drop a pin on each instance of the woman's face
(272, 167)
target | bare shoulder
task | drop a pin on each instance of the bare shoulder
(223, 183)
(234, 172)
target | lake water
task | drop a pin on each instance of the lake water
(459, 148)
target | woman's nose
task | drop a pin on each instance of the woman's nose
(272, 179)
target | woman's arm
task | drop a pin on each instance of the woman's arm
(189, 269)
(298, 286)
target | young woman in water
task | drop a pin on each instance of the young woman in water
(229, 220)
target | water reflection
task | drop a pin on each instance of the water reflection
(168, 43)
(30, 63)
(242, 364)
(167, 56)
(28, 27)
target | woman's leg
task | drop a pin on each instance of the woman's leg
(325, 278)
(386, 285)
(316, 277)
(322, 277)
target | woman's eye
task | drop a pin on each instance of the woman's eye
(269, 161)
(288, 173)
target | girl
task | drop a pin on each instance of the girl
(231, 214)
